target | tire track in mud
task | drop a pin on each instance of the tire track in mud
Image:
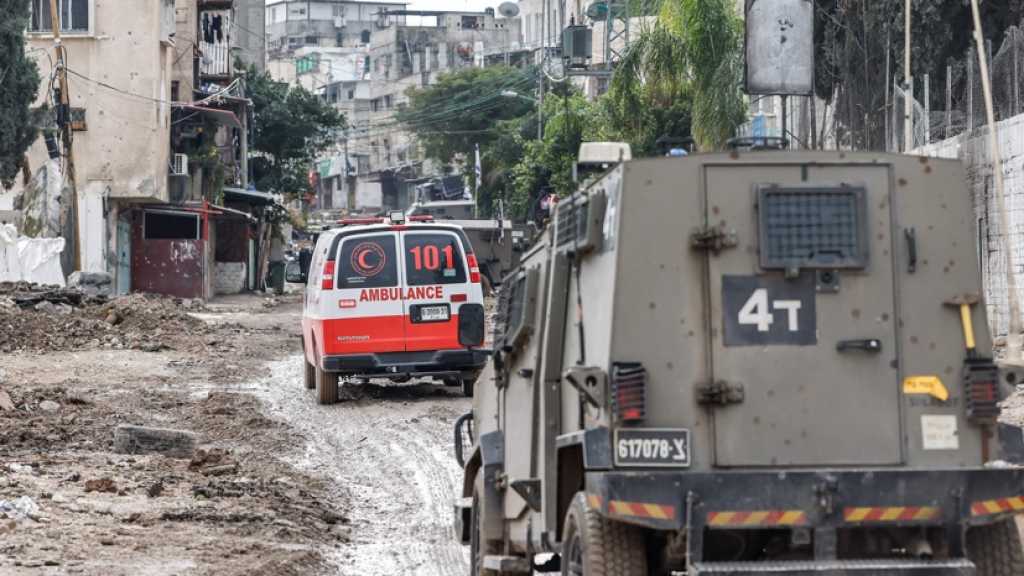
(392, 464)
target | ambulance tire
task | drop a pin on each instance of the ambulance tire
(309, 371)
(996, 549)
(326, 386)
(596, 546)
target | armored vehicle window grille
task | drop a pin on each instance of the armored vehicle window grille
(813, 227)
(516, 306)
(571, 222)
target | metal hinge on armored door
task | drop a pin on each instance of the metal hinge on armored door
(713, 238)
(720, 393)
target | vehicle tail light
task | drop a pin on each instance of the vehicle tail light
(981, 388)
(421, 218)
(327, 281)
(459, 298)
(629, 391)
(474, 268)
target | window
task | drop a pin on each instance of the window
(364, 36)
(170, 226)
(813, 227)
(367, 262)
(175, 96)
(433, 259)
(351, 94)
(339, 11)
(74, 15)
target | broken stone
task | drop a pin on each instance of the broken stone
(101, 485)
(130, 439)
(44, 306)
(49, 406)
(113, 318)
(6, 404)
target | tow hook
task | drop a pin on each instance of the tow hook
(825, 493)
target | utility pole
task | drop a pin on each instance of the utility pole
(64, 114)
(543, 63)
(908, 84)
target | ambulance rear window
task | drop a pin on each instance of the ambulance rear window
(433, 259)
(367, 262)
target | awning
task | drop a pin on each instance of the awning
(251, 196)
(225, 117)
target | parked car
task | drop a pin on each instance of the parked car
(390, 298)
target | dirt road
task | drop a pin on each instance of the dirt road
(363, 487)
(388, 454)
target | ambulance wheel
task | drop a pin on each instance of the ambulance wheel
(996, 549)
(593, 545)
(309, 371)
(326, 386)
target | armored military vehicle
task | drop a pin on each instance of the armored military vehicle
(746, 363)
(496, 241)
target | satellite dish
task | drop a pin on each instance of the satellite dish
(508, 9)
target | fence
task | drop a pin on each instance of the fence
(962, 103)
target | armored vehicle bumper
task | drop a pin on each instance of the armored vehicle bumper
(426, 363)
(819, 505)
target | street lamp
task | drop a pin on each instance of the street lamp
(513, 94)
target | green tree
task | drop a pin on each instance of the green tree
(683, 74)
(291, 126)
(464, 108)
(19, 84)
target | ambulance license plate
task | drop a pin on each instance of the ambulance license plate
(652, 447)
(433, 313)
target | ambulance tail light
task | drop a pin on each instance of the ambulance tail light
(629, 391)
(421, 218)
(474, 268)
(327, 280)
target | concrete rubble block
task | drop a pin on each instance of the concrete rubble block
(130, 439)
(92, 282)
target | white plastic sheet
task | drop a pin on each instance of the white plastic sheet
(34, 260)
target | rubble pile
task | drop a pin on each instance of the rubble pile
(42, 318)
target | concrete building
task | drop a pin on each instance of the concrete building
(120, 93)
(247, 38)
(141, 95)
(376, 162)
(292, 24)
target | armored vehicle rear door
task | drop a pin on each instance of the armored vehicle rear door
(802, 321)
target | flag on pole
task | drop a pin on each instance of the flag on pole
(478, 172)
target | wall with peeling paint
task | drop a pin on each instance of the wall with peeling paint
(120, 73)
(975, 152)
(172, 267)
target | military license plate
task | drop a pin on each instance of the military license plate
(433, 313)
(652, 447)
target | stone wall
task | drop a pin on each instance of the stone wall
(229, 277)
(975, 152)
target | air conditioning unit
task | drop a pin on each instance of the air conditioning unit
(179, 165)
(339, 21)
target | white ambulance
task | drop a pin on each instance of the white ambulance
(391, 298)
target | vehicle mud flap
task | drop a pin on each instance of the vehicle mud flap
(1011, 443)
(471, 325)
(492, 453)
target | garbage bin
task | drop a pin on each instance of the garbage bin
(276, 280)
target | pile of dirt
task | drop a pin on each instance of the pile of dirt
(37, 318)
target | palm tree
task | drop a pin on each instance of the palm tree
(694, 52)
